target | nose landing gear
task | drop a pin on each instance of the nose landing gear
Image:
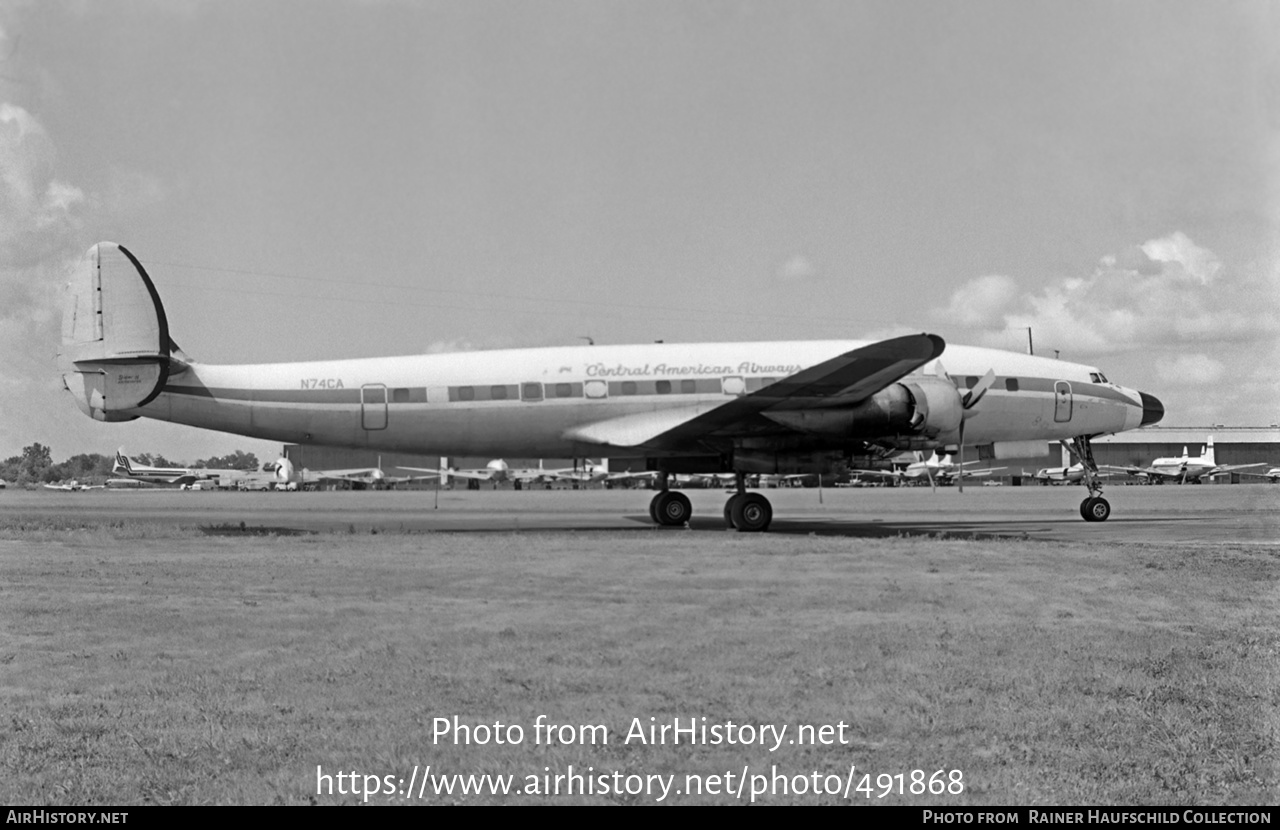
(1094, 508)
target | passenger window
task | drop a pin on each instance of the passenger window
(663, 387)
(970, 382)
(399, 395)
(531, 391)
(466, 393)
(563, 390)
(1011, 384)
(688, 387)
(498, 392)
(597, 389)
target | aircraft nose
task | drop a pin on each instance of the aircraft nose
(1152, 409)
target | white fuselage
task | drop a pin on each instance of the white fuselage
(526, 402)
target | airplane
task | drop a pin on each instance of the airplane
(1185, 469)
(285, 476)
(125, 467)
(1060, 475)
(939, 468)
(1272, 475)
(496, 471)
(813, 407)
(74, 486)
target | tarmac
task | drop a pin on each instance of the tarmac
(1203, 515)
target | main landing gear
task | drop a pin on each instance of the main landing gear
(745, 512)
(669, 508)
(1094, 508)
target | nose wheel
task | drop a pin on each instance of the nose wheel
(1095, 509)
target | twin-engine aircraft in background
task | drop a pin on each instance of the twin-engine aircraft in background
(1186, 469)
(777, 408)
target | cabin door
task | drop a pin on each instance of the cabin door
(1061, 402)
(373, 406)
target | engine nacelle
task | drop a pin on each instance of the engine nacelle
(284, 471)
(938, 408)
(920, 409)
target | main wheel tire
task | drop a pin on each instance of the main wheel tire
(1095, 509)
(751, 513)
(728, 509)
(672, 509)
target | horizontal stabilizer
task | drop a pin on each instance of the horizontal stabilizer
(115, 351)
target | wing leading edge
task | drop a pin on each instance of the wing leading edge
(841, 381)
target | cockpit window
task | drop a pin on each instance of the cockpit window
(1095, 377)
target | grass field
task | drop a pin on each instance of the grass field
(143, 663)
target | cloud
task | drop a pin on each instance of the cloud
(38, 213)
(1193, 369)
(796, 269)
(981, 303)
(1166, 292)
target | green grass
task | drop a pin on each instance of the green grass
(144, 664)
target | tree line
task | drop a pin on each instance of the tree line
(36, 466)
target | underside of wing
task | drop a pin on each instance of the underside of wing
(845, 380)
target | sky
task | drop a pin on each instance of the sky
(322, 179)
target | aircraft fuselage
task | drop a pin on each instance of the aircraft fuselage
(527, 402)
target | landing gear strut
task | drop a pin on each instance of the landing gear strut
(1094, 508)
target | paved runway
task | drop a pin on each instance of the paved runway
(1213, 514)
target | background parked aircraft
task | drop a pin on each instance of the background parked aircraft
(73, 485)
(1186, 469)
(1060, 475)
(938, 468)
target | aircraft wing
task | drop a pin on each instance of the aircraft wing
(628, 476)
(986, 471)
(883, 473)
(430, 472)
(844, 380)
(478, 475)
(1138, 471)
(1230, 468)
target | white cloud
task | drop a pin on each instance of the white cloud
(1193, 369)
(38, 214)
(981, 302)
(796, 269)
(1166, 292)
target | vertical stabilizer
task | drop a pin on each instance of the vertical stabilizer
(115, 336)
(1208, 452)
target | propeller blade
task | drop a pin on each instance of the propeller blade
(975, 394)
(960, 470)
